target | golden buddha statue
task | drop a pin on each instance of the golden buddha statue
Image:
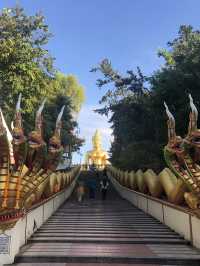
(97, 156)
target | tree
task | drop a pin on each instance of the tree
(128, 101)
(27, 67)
(177, 78)
(136, 102)
(66, 90)
(68, 85)
(51, 112)
(131, 85)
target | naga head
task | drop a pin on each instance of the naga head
(35, 138)
(193, 136)
(174, 141)
(17, 132)
(55, 142)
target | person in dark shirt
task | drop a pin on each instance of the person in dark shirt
(104, 184)
(92, 188)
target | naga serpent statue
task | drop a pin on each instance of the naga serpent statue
(183, 155)
(26, 165)
(180, 182)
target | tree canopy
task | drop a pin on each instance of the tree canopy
(136, 102)
(69, 86)
(27, 67)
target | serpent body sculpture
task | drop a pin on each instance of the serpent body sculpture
(26, 165)
(181, 181)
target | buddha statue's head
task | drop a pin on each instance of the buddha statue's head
(96, 140)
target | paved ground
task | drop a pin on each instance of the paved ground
(97, 232)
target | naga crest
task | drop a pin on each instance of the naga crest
(55, 142)
(35, 137)
(174, 141)
(193, 136)
(2, 126)
(6, 135)
(17, 132)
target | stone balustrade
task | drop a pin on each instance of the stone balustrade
(181, 219)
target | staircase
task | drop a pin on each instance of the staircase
(107, 232)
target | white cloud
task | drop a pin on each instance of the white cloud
(88, 122)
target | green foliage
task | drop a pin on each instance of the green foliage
(173, 82)
(69, 86)
(167, 56)
(131, 85)
(138, 116)
(52, 110)
(27, 67)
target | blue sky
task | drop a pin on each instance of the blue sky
(128, 32)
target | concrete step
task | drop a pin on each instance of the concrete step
(106, 229)
(107, 240)
(96, 231)
(105, 233)
(102, 234)
(79, 264)
(104, 253)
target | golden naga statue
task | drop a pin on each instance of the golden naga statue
(183, 156)
(181, 181)
(26, 165)
(97, 156)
